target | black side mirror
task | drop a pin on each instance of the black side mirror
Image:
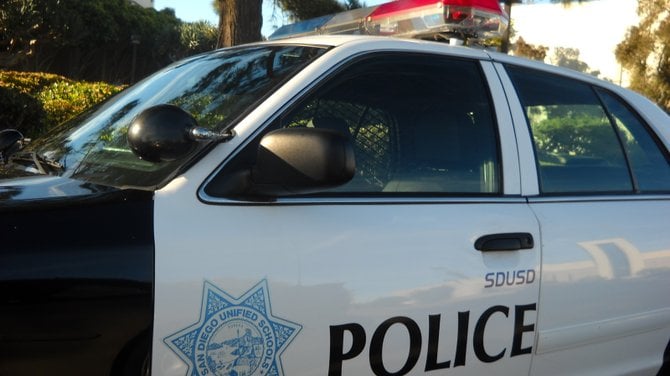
(161, 133)
(165, 133)
(302, 160)
(11, 141)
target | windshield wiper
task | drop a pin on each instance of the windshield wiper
(44, 166)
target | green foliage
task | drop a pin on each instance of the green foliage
(94, 40)
(197, 37)
(20, 23)
(34, 102)
(354, 4)
(28, 83)
(301, 10)
(571, 131)
(521, 48)
(64, 99)
(89, 40)
(20, 111)
(574, 136)
(569, 58)
(645, 52)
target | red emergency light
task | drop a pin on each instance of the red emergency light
(471, 21)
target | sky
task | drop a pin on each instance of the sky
(593, 27)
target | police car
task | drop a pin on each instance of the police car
(342, 205)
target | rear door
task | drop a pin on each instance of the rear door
(603, 204)
(379, 276)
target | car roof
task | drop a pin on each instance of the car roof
(372, 43)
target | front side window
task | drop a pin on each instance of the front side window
(418, 125)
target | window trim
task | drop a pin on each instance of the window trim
(617, 132)
(367, 197)
(598, 198)
(660, 146)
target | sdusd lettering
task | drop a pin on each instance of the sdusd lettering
(434, 359)
(509, 278)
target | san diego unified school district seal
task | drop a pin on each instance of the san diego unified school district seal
(234, 337)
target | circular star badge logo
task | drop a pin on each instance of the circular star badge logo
(234, 337)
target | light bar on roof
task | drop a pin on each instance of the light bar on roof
(476, 21)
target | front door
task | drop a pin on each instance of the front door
(379, 276)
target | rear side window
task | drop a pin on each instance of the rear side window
(586, 140)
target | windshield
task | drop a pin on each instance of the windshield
(216, 88)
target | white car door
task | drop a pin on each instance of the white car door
(603, 204)
(379, 276)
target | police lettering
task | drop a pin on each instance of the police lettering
(434, 360)
(518, 277)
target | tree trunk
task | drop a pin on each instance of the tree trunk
(504, 45)
(240, 22)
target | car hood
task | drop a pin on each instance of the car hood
(18, 190)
